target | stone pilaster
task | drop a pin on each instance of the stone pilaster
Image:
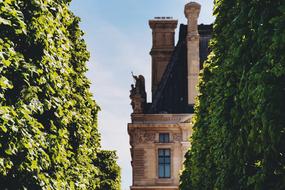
(192, 11)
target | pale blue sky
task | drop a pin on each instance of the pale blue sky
(119, 40)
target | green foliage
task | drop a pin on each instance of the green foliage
(48, 119)
(239, 124)
(109, 175)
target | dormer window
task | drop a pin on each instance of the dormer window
(164, 138)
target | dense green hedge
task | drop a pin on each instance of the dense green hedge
(109, 175)
(239, 124)
(48, 119)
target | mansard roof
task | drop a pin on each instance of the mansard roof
(171, 94)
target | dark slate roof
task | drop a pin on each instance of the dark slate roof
(171, 94)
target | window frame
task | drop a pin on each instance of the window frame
(164, 138)
(165, 164)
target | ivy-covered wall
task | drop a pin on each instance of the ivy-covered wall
(48, 119)
(239, 124)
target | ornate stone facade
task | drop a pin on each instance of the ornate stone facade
(144, 139)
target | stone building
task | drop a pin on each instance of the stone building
(159, 131)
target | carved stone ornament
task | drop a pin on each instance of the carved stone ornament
(177, 137)
(149, 137)
(141, 137)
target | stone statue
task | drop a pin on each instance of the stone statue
(138, 94)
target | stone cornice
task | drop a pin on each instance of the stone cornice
(154, 126)
(160, 118)
(170, 24)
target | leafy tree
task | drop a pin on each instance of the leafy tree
(48, 119)
(109, 170)
(239, 124)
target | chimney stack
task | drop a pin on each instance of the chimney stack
(192, 11)
(163, 39)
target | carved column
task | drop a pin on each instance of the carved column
(192, 11)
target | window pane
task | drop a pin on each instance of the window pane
(167, 170)
(161, 152)
(167, 160)
(163, 137)
(166, 152)
(161, 171)
(166, 138)
(161, 160)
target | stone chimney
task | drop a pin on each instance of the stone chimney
(163, 39)
(192, 11)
